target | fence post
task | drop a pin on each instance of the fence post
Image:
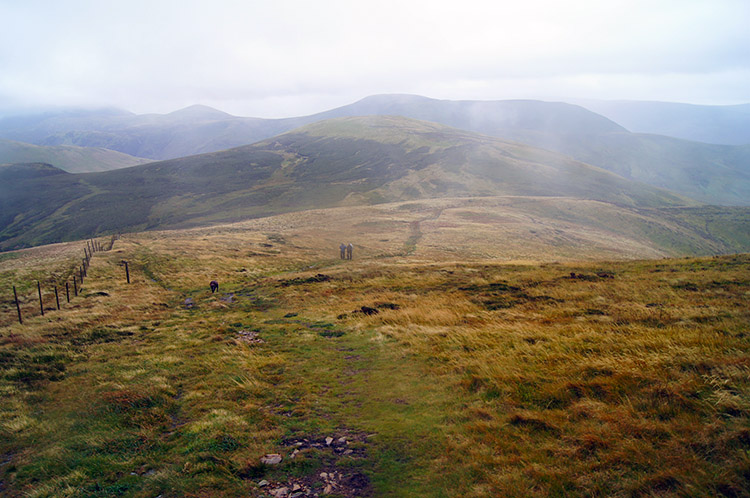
(18, 306)
(75, 286)
(67, 292)
(57, 298)
(127, 272)
(39, 288)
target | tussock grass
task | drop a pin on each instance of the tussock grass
(472, 378)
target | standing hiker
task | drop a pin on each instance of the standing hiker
(349, 251)
(214, 286)
(342, 247)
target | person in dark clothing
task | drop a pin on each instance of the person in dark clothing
(342, 247)
(349, 251)
(214, 286)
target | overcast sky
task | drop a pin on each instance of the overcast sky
(288, 58)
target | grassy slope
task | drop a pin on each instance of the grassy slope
(485, 379)
(68, 158)
(711, 173)
(715, 174)
(345, 161)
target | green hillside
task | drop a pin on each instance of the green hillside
(72, 159)
(716, 174)
(347, 161)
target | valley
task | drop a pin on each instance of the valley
(352, 162)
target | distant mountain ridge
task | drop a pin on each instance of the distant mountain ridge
(198, 129)
(338, 162)
(715, 174)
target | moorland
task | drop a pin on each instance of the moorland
(448, 358)
(540, 302)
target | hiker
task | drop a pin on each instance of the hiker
(349, 251)
(343, 250)
(214, 286)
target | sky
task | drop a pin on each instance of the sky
(284, 58)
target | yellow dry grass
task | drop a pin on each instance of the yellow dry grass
(487, 370)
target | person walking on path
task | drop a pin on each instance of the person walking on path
(349, 251)
(343, 250)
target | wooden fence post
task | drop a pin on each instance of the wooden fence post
(127, 272)
(39, 288)
(57, 298)
(18, 306)
(75, 286)
(67, 292)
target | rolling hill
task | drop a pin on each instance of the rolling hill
(338, 162)
(72, 159)
(716, 174)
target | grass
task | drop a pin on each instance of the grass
(471, 377)
(342, 162)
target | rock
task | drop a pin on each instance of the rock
(250, 336)
(342, 440)
(228, 298)
(280, 492)
(296, 487)
(329, 440)
(271, 459)
(324, 475)
(348, 452)
(294, 453)
(263, 483)
(328, 489)
(189, 302)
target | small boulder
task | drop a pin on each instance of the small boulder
(271, 459)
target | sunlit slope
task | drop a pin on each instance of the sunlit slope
(70, 158)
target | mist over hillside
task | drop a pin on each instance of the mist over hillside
(714, 124)
(715, 174)
(70, 158)
(358, 161)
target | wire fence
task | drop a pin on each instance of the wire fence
(73, 284)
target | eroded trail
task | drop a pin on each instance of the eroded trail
(182, 396)
(379, 377)
(358, 417)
